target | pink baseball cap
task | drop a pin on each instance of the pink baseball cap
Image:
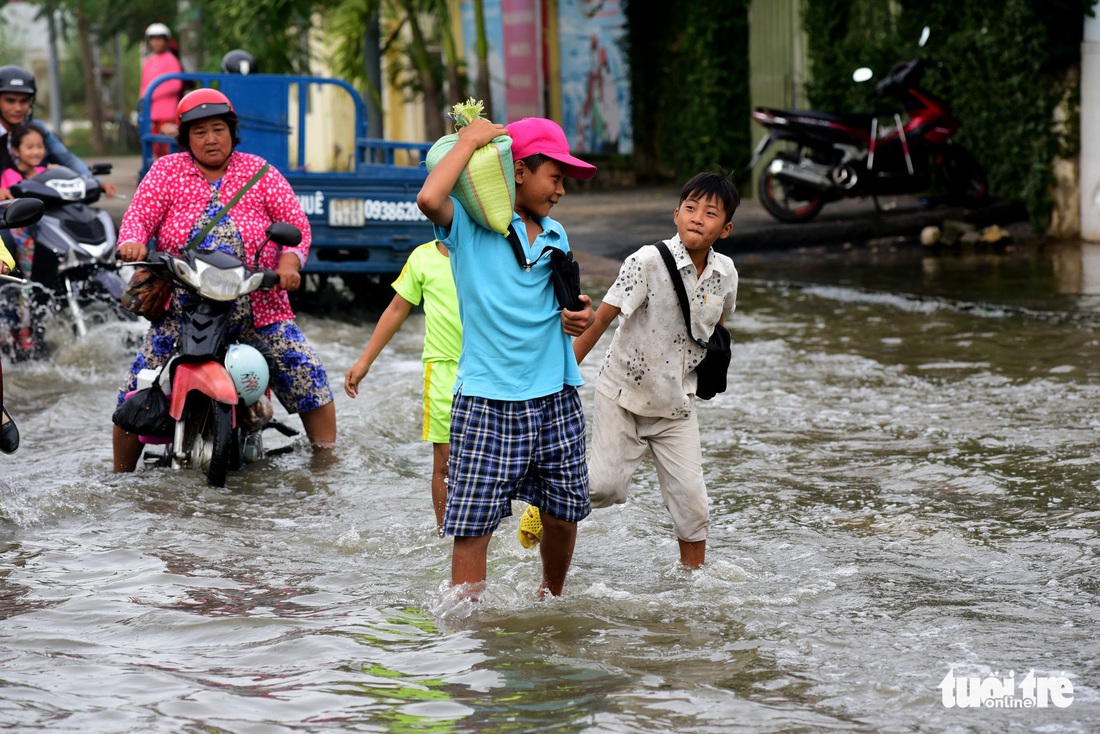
(538, 135)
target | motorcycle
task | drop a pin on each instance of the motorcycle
(12, 215)
(217, 391)
(74, 267)
(844, 156)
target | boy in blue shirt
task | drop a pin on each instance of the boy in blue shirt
(517, 428)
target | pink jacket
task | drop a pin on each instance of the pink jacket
(13, 176)
(174, 194)
(167, 95)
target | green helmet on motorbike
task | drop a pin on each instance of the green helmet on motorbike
(249, 371)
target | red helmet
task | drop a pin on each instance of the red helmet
(202, 103)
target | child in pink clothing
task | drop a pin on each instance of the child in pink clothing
(162, 107)
(28, 145)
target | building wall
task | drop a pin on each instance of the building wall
(777, 58)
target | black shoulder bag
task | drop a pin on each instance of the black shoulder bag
(565, 273)
(711, 372)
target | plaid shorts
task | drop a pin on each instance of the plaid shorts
(502, 450)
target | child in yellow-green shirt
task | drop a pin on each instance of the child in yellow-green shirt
(426, 277)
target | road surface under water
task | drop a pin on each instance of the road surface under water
(904, 479)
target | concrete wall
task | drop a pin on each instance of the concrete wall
(777, 58)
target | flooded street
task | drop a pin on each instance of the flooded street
(905, 486)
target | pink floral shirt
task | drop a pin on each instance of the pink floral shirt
(174, 194)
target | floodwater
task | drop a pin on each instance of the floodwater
(904, 478)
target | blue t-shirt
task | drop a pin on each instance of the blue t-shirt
(513, 345)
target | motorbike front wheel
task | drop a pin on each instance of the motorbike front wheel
(785, 201)
(221, 449)
(963, 178)
(209, 438)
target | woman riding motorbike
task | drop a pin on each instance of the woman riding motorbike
(175, 200)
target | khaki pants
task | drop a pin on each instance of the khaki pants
(619, 442)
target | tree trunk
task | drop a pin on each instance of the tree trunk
(92, 97)
(430, 87)
(455, 88)
(484, 92)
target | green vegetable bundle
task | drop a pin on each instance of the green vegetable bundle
(487, 187)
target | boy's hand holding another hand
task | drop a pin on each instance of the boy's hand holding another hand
(576, 323)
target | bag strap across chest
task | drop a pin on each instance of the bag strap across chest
(678, 284)
(198, 238)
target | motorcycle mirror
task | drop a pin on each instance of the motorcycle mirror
(862, 74)
(924, 36)
(283, 234)
(21, 213)
(101, 169)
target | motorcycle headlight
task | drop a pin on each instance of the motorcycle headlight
(184, 272)
(253, 282)
(218, 284)
(69, 189)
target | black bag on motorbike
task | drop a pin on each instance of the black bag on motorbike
(711, 372)
(146, 413)
(147, 295)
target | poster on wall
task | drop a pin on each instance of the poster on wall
(595, 78)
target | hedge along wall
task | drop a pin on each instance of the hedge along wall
(1004, 65)
(690, 86)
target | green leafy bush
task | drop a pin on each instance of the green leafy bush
(690, 86)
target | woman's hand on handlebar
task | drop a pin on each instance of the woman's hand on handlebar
(289, 277)
(132, 251)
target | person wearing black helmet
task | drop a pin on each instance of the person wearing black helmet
(239, 61)
(17, 93)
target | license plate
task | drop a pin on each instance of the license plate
(345, 213)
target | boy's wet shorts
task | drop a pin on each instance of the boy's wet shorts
(529, 450)
(439, 385)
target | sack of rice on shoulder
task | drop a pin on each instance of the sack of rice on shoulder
(487, 187)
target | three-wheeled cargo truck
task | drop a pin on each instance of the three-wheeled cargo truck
(359, 193)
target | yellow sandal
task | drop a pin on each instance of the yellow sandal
(530, 527)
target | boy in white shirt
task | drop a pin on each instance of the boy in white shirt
(646, 387)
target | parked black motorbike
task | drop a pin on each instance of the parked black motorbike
(74, 268)
(844, 156)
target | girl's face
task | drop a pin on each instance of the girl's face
(31, 149)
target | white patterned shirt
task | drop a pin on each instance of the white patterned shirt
(648, 368)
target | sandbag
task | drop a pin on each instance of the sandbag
(487, 187)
